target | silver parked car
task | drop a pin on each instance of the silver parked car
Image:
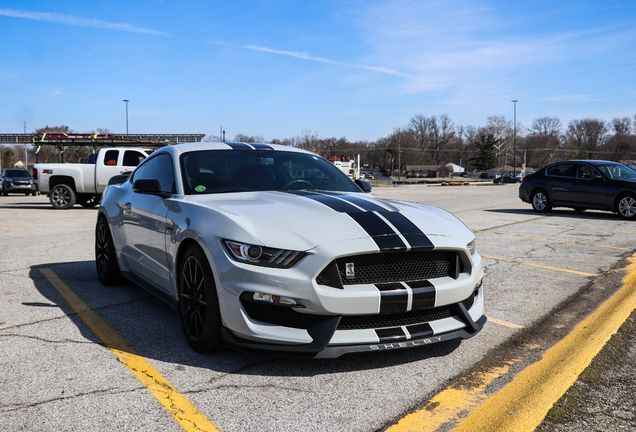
(272, 249)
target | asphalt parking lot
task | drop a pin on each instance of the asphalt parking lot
(543, 274)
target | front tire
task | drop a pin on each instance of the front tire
(199, 303)
(105, 258)
(627, 206)
(541, 202)
(62, 197)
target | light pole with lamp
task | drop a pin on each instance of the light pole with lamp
(126, 100)
(514, 141)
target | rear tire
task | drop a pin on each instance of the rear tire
(198, 302)
(88, 201)
(62, 197)
(541, 201)
(627, 206)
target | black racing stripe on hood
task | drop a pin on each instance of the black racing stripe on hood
(416, 238)
(360, 202)
(365, 213)
(381, 233)
(329, 201)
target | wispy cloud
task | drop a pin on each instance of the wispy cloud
(305, 56)
(60, 18)
(572, 98)
(57, 91)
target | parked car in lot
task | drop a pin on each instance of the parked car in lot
(273, 249)
(83, 183)
(17, 180)
(581, 185)
(506, 179)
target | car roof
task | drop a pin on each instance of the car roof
(197, 146)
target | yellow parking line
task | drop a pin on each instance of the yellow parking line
(552, 240)
(504, 323)
(523, 403)
(13, 226)
(183, 411)
(447, 405)
(540, 266)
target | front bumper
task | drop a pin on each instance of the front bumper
(324, 331)
(18, 188)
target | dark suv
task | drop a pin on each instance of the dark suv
(581, 185)
(16, 180)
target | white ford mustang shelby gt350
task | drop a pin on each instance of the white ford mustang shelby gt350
(272, 249)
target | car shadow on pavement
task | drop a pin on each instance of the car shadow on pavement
(153, 328)
(561, 213)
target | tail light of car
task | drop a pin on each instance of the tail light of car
(35, 173)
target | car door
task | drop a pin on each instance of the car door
(145, 225)
(590, 191)
(561, 179)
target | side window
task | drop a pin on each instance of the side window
(562, 170)
(111, 157)
(160, 168)
(585, 171)
(133, 158)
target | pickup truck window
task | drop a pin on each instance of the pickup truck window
(132, 158)
(111, 157)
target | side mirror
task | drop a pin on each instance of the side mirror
(596, 177)
(364, 185)
(150, 187)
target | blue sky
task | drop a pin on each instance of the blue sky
(354, 69)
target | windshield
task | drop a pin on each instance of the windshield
(617, 171)
(17, 173)
(219, 171)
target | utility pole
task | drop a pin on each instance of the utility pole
(126, 100)
(514, 141)
(26, 160)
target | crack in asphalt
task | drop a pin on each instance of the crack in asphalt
(21, 406)
(63, 341)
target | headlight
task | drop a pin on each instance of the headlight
(263, 256)
(471, 247)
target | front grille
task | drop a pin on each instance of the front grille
(397, 319)
(393, 267)
(287, 317)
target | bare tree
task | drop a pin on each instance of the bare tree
(544, 141)
(587, 135)
(432, 134)
(621, 143)
(501, 130)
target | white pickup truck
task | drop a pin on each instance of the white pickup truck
(70, 183)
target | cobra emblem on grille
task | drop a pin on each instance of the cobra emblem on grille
(350, 271)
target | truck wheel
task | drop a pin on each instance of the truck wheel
(62, 197)
(88, 201)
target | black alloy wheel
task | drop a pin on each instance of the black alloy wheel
(105, 259)
(62, 197)
(627, 206)
(541, 202)
(199, 303)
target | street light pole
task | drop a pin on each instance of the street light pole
(126, 100)
(514, 141)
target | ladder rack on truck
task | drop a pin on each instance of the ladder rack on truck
(61, 140)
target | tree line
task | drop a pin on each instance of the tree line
(436, 141)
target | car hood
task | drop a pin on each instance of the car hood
(305, 219)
